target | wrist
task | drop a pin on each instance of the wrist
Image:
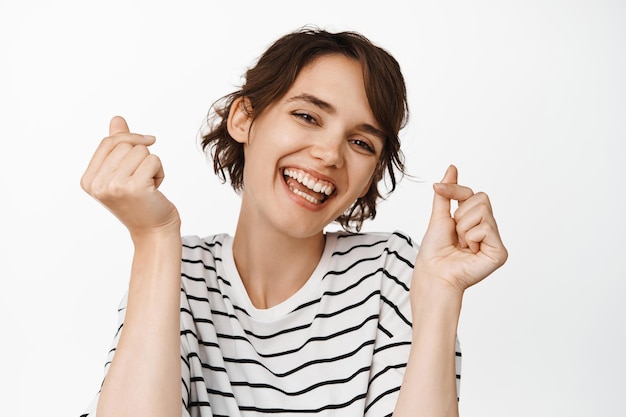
(434, 299)
(432, 277)
(165, 233)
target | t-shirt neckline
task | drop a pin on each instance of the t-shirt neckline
(306, 293)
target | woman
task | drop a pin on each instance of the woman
(283, 318)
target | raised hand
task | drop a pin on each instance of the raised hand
(462, 248)
(124, 176)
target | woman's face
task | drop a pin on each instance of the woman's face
(313, 152)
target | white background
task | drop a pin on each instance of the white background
(527, 98)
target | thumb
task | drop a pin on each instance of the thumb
(118, 125)
(441, 204)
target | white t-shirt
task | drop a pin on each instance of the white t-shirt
(337, 347)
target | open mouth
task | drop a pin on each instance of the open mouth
(303, 184)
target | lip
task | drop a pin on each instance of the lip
(312, 173)
(301, 201)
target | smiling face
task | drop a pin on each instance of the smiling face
(310, 154)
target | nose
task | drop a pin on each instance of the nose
(329, 148)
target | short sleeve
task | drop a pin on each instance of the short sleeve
(91, 409)
(393, 341)
(121, 314)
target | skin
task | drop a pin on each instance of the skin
(336, 142)
(301, 132)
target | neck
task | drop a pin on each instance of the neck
(272, 265)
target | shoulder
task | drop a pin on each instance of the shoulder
(193, 244)
(373, 242)
(390, 253)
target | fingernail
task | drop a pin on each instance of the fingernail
(149, 137)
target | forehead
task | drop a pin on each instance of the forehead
(337, 80)
(332, 69)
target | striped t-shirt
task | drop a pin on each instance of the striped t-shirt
(337, 347)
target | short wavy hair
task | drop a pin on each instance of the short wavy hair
(276, 71)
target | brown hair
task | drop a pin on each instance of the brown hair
(273, 75)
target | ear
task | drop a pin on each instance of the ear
(240, 120)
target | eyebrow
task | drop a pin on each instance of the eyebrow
(329, 108)
(316, 101)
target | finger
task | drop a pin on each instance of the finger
(475, 236)
(456, 192)
(469, 220)
(118, 125)
(475, 201)
(113, 160)
(118, 129)
(102, 163)
(117, 166)
(129, 162)
(485, 238)
(441, 203)
(152, 168)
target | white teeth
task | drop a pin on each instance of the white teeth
(318, 186)
(305, 196)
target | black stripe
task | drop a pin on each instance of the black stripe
(182, 358)
(223, 394)
(119, 329)
(382, 329)
(304, 365)
(186, 390)
(352, 266)
(387, 368)
(200, 341)
(206, 366)
(356, 328)
(301, 327)
(397, 310)
(384, 394)
(207, 246)
(305, 390)
(189, 277)
(200, 261)
(391, 345)
(199, 404)
(333, 293)
(350, 307)
(364, 245)
(406, 238)
(390, 252)
(397, 255)
(343, 235)
(396, 280)
(354, 285)
(300, 411)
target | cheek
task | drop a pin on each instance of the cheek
(367, 178)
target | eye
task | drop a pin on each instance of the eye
(363, 145)
(306, 117)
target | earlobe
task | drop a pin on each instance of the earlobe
(239, 120)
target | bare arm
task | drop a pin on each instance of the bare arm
(144, 376)
(429, 385)
(457, 252)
